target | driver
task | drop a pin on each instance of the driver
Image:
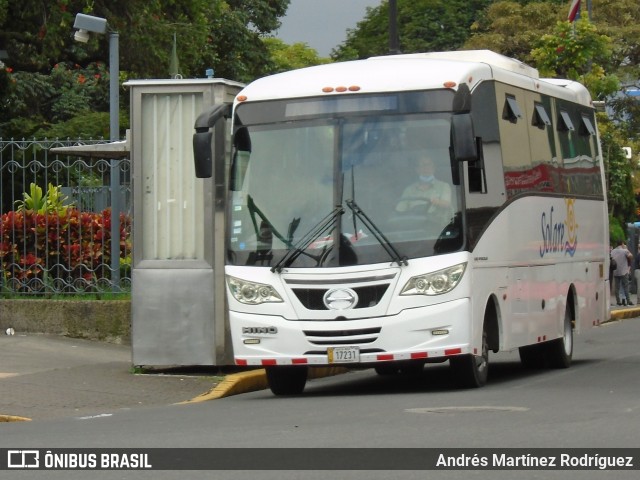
(428, 195)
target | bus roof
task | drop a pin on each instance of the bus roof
(410, 72)
(478, 56)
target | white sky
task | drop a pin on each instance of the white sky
(322, 24)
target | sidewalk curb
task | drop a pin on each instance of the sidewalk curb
(252, 381)
(13, 418)
(620, 314)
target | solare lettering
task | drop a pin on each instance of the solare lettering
(552, 234)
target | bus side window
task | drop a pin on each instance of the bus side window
(540, 116)
(511, 110)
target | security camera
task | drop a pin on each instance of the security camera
(90, 23)
(81, 36)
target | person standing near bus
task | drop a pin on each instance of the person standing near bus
(636, 271)
(612, 268)
(624, 259)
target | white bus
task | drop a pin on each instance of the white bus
(342, 248)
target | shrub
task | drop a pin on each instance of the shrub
(61, 250)
(51, 202)
(616, 232)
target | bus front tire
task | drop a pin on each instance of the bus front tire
(472, 371)
(387, 369)
(412, 367)
(287, 380)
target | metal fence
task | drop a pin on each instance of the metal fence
(55, 224)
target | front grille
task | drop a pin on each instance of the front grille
(343, 333)
(312, 298)
(356, 336)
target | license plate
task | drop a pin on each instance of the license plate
(343, 354)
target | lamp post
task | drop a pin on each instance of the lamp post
(84, 24)
(394, 47)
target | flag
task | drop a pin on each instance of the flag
(574, 10)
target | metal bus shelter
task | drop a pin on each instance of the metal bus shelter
(177, 316)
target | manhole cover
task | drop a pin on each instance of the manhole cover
(471, 409)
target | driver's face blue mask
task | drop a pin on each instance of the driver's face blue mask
(426, 178)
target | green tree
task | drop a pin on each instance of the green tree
(513, 28)
(620, 21)
(619, 171)
(290, 57)
(577, 51)
(234, 46)
(625, 112)
(37, 104)
(222, 34)
(214, 33)
(423, 26)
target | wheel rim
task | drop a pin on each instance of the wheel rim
(568, 337)
(482, 360)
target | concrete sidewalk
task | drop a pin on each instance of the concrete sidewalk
(44, 377)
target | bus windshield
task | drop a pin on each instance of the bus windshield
(369, 185)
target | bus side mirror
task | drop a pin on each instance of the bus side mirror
(208, 121)
(202, 153)
(463, 140)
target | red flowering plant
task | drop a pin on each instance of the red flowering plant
(59, 249)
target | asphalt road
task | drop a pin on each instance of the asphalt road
(594, 404)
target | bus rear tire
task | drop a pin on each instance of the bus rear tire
(532, 356)
(560, 351)
(287, 380)
(472, 371)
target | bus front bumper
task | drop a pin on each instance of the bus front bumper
(431, 333)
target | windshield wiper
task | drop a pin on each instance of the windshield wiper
(295, 250)
(377, 233)
(253, 211)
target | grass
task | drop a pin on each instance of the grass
(66, 296)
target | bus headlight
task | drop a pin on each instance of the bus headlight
(435, 283)
(252, 293)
